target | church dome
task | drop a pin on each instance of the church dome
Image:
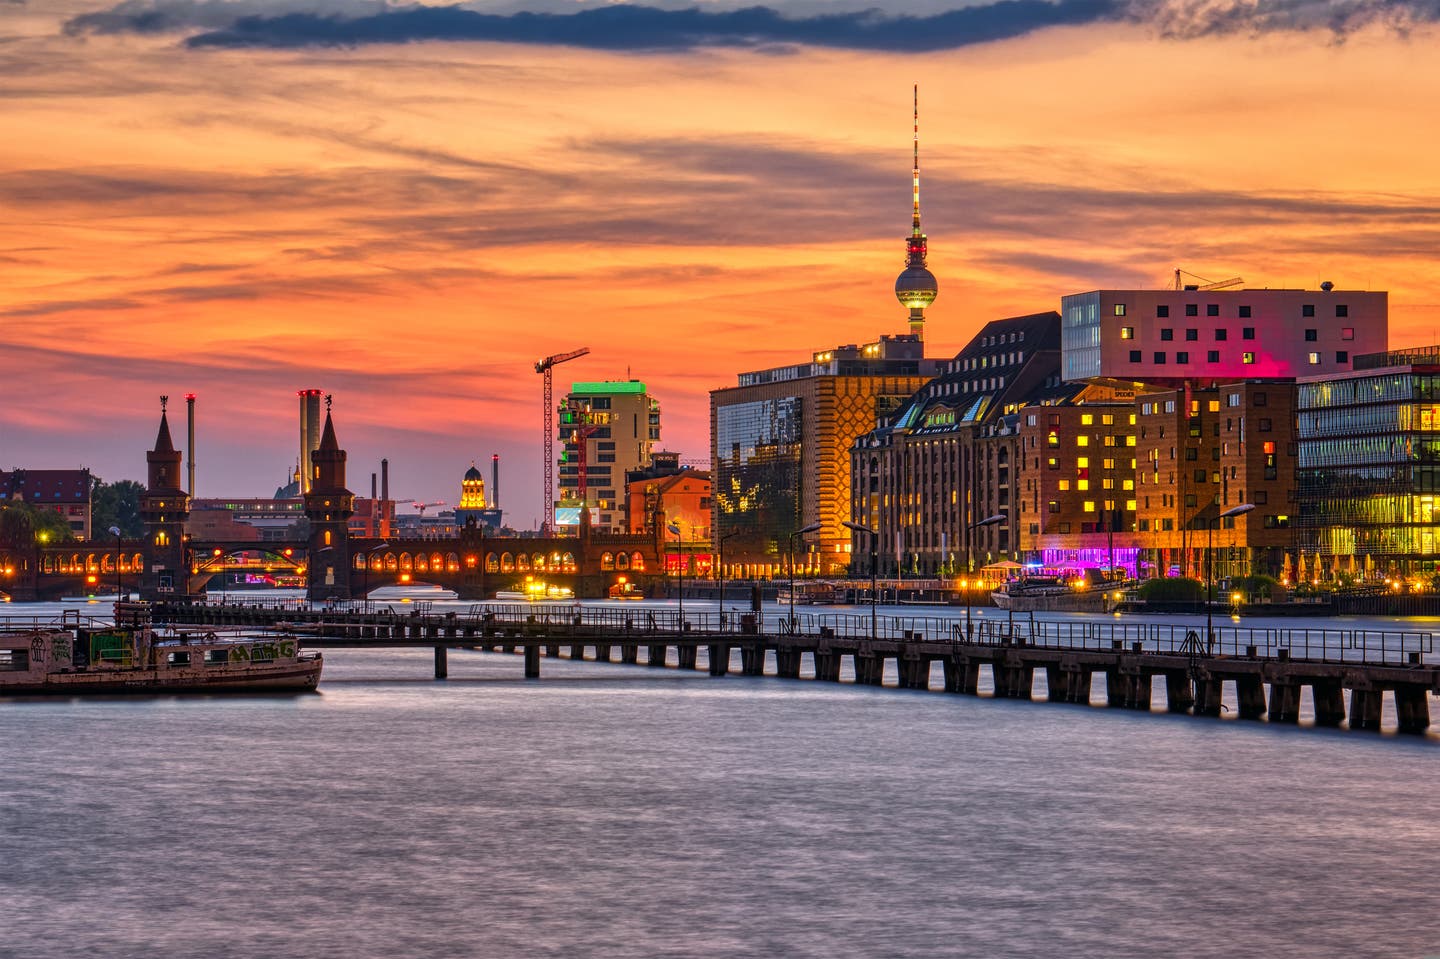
(473, 474)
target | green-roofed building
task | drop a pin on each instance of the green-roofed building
(605, 428)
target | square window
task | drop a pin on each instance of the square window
(1347, 333)
(1159, 359)
(1307, 309)
(1244, 312)
(1212, 309)
(1312, 336)
(1342, 356)
(1212, 357)
(1192, 335)
(1134, 356)
(1258, 399)
(1264, 426)
(1192, 309)
(1167, 334)
(1162, 311)
(1182, 357)
(1247, 333)
(1119, 309)
(1247, 357)
(1314, 359)
(1127, 332)
(1221, 335)
(1341, 309)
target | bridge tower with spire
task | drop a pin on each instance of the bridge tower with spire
(916, 288)
(328, 506)
(164, 508)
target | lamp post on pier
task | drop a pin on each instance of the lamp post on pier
(874, 563)
(1210, 566)
(720, 569)
(969, 562)
(119, 593)
(790, 554)
(680, 540)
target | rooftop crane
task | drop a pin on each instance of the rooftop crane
(545, 367)
(1205, 284)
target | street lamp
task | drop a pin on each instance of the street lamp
(1210, 565)
(679, 538)
(969, 543)
(874, 562)
(720, 569)
(119, 595)
(790, 553)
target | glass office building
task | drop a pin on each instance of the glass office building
(1369, 467)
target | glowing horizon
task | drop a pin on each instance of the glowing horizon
(410, 227)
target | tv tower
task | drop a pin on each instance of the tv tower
(915, 288)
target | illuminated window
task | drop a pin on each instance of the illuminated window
(1064, 485)
(1269, 448)
(1213, 406)
(1107, 419)
(1082, 485)
(1082, 441)
(1089, 506)
(1127, 332)
(1087, 419)
(1247, 357)
(1120, 311)
(1083, 462)
(1347, 333)
(1314, 359)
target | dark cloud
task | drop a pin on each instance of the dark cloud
(630, 27)
(620, 27)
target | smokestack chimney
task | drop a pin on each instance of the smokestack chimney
(494, 480)
(190, 443)
(372, 486)
(385, 479)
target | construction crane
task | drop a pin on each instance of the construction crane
(1205, 284)
(421, 507)
(546, 367)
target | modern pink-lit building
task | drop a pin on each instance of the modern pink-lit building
(1204, 337)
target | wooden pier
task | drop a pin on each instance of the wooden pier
(1268, 668)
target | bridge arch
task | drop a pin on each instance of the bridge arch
(637, 561)
(507, 563)
(567, 562)
(492, 563)
(607, 560)
(452, 562)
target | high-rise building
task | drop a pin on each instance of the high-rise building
(1203, 337)
(1369, 468)
(606, 429)
(780, 449)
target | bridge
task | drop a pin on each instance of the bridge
(167, 563)
(1249, 663)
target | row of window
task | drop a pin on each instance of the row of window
(1213, 356)
(1222, 334)
(1243, 312)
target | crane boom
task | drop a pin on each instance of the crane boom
(546, 368)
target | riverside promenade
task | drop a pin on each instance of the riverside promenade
(1268, 669)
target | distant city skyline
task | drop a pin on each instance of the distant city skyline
(410, 226)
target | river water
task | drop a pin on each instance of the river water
(616, 811)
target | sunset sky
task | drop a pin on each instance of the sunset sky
(408, 206)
